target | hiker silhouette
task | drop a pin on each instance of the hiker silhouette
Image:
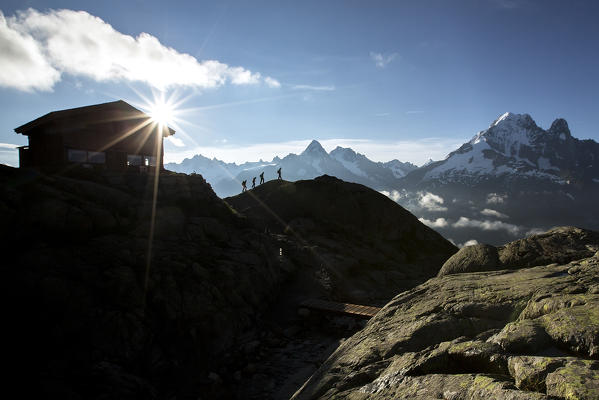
(279, 173)
(243, 186)
(262, 177)
(254, 182)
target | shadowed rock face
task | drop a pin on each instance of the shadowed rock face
(86, 323)
(370, 247)
(76, 274)
(513, 334)
(558, 245)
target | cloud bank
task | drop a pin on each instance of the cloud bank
(438, 223)
(496, 198)
(465, 222)
(39, 47)
(9, 154)
(493, 213)
(431, 202)
(393, 195)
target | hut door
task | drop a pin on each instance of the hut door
(54, 150)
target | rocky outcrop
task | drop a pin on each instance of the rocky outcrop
(528, 333)
(100, 310)
(368, 248)
(114, 295)
(558, 245)
(479, 257)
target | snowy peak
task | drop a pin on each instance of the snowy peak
(515, 147)
(343, 153)
(314, 150)
(512, 119)
(429, 162)
(400, 169)
(509, 135)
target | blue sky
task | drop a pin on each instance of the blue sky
(392, 79)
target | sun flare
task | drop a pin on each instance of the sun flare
(162, 113)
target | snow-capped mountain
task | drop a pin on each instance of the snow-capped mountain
(214, 170)
(511, 179)
(314, 161)
(512, 149)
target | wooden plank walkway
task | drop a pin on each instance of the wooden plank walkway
(353, 310)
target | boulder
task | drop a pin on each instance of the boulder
(479, 257)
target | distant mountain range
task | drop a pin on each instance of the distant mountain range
(511, 179)
(344, 163)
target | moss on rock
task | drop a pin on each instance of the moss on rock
(578, 380)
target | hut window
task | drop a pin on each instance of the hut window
(133, 159)
(77, 155)
(149, 161)
(96, 157)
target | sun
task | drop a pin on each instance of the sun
(162, 112)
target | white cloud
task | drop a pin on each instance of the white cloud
(176, 141)
(393, 195)
(493, 213)
(438, 223)
(9, 154)
(240, 76)
(271, 82)
(496, 198)
(431, 202)
(487, 225)
(37, 47)
(23, 65)
(324, 88)
(381, 60)
(470, 242)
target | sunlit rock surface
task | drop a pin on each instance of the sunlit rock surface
(527, 333)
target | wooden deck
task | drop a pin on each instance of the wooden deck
(353, 310)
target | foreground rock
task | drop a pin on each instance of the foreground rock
(96, 312)
(558, 245)
(479, 257)
(530, 333)
(99, 308)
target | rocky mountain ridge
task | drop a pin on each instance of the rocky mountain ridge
(360, 239)
(525, 333)
(99, 313)
(514, 148)
(509, 180)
